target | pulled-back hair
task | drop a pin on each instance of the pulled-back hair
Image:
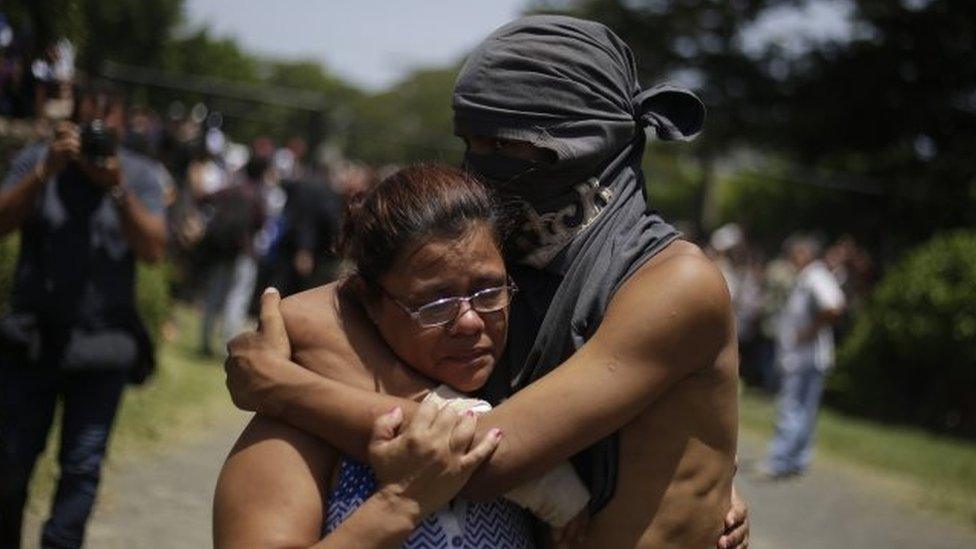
(413, 204)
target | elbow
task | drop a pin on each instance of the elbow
(153, 252)
(479, 491)
(834, 315)
(152, 256)
(9, 221)
(487, 484)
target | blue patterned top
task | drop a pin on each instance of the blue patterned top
(497, 524)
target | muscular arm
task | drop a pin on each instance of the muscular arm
(29, 172)
(669, 321)
(145, 232)
(17, 202)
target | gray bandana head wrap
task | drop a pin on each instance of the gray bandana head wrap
(569, 86)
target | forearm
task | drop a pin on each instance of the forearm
(824, 319)
(340, 414)
(533, 444)
(383, 520)
(17, 202)
(145, 232)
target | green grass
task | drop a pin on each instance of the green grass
(936, 472)
(186, 395)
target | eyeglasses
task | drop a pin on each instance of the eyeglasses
(443, 311)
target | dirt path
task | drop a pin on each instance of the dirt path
(835, 506)
(159, 503)
(165, 503)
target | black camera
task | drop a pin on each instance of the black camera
(98, 142)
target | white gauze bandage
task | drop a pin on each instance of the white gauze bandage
(555, 497)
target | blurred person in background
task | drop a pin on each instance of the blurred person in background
(310, 225)
(206, 173)
(805, 347)
(227, 252)
(86, 210)
(53, 74)
(853, 268)
(724, 247)
(778, 277)
(15, 99)
(731, 252)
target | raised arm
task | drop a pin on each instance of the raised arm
(670, 320)
(28, 175)
(144, 230)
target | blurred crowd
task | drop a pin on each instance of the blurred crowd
(240, 216)
(243, 216)
(761, 284)
(96, 185)
(34, 86)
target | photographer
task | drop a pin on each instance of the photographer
(86, 210)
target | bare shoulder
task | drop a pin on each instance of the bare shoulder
(266, 494)
(677, 305)
(682, 272)
(331, 335)
(310, 315)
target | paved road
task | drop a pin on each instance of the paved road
(165, 503)
(836, 507)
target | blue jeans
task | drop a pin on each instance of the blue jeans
(27, 400)
(230, 285)
(797, 404)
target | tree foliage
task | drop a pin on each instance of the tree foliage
(912, 354)
(411, 122)
(891, 107)
(694, 42)
(897, 106)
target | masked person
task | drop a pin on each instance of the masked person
(86, 211)
(622, 353)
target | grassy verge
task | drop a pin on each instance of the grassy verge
(186, 396)
(936, 472)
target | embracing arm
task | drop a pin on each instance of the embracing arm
(271, 490)
(664, 324)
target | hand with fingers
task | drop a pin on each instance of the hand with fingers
(254, 359)
(572, 533)
(107, 175)
(736, 534)
(426, 463)
(65, 147)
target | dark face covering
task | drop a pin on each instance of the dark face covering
(498, 169)
(569, 86)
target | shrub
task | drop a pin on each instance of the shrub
(152, 296)
(8, 260)
(912, 355)
(772, 204)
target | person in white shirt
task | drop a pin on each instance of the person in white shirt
(805, 345)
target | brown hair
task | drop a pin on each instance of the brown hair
(415, 203)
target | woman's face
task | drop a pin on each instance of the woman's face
(462, 352)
